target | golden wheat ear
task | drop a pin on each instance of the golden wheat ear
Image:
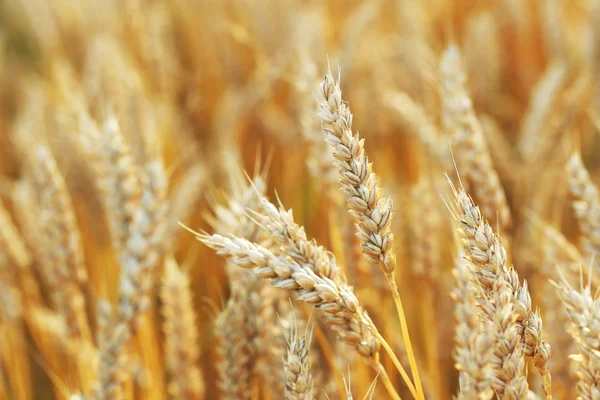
(485, 252)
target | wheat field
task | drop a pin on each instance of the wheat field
(299, 199)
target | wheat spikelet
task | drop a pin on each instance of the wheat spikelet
(298, 384)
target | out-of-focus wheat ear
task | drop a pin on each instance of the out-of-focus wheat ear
(543, 97)
(135, 201)
(23, 195)
(473, 346)
(425, 226)
(571, 106)
(553, 30)
(13, 350)
(11, 240)
(556, 250)
(151, 29)
(298, 377)
(51, 336)
(426, 223)
(503, 157)
(468, 142)
(236, 356)
(182, 198)
(417, 71)
(39, 223)
(48, 333)
(61, 236)
(484, 250)
(582, 307)
(371, 211)
(586, 205)
(112, 362)
(19, 255)
(111, 83)
(420, 124)
(145, 244)
(117, 177)
(181, 336)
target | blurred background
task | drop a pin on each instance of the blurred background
(214, 88)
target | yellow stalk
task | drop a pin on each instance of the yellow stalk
(396, 362)
(406, 337)
(387, 382)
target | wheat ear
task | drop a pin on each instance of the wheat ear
(298, 385)
(372, 212)
(484, 250)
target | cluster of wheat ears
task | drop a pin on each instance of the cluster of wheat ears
(152, 152)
